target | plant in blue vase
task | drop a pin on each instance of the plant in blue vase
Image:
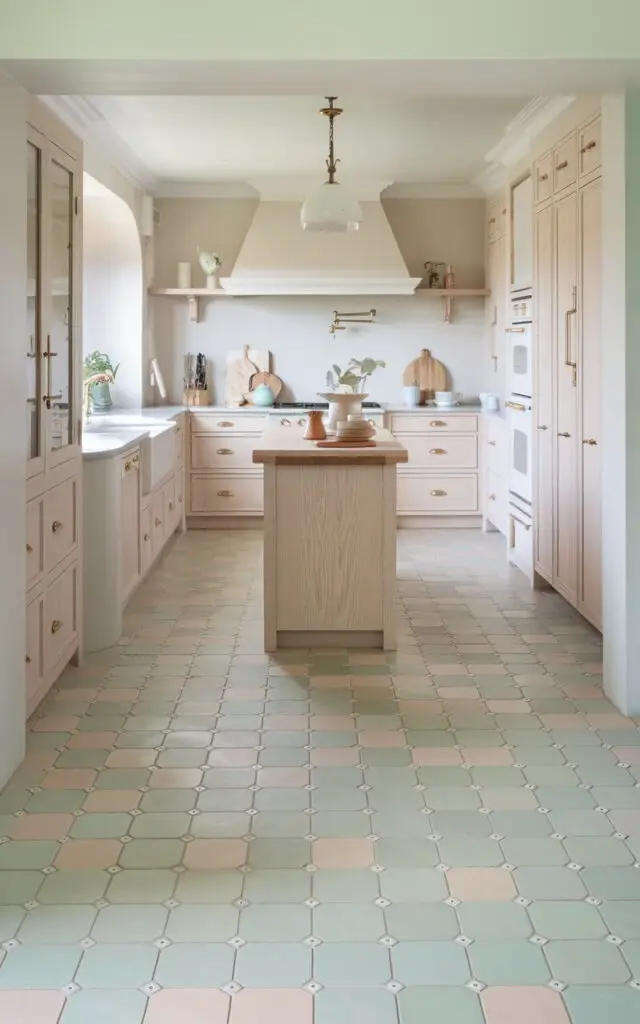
(98, 364)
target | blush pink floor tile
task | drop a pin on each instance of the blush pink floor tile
(385, 738)
(271, 1006)
(458, 693)
(481, 884)
(55, 723)
(563, 721)
(41, 759)
(629, 754)
(448, 669)
(192, 1005)
(31, 1007)
(330, 682)
(92, 741)
(131, 758)
(343, 853)
(461, 707)
(244, 692)
(286, 723)
(594, 667)
(213, 854)
(370, 682)
(107, 800)
(62, 696)
(41, 826)
(368, 659)
(175, 778)
(285, 778)
(487, 670)
(526, 1005)
(227, 757)
(610, 721)
(115, 696)
(487, 756)
(89, 853)
(580, 691)
(436, 756)
(333, 723)
(509, 707)
(69, 778)
(330, 757)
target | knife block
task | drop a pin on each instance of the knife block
(197, 396)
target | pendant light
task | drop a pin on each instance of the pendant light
(331, 208)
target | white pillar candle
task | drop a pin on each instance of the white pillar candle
(184, 275)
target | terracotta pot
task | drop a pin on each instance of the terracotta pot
(315, 427)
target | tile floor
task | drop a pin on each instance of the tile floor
(448, 833)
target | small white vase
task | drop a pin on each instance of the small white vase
(411, 395)
(213, 283)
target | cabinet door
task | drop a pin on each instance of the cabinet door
(157, 524)
(34, 656)
(522, 235)
(146, 553)
(60, 616)
(590, 602)
(169, 504)
(543, 390)
(567, 504)
(497, 263)
(35, 234)
(129, 523)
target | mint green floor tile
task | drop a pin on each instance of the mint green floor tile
(445, 778)
(12, 800)
(279, 853)
(580, 823)
(585, 962)
(530, 852)
(117, 965)
(423, 885)
(418, 922)
(287, 799)
(343, 922)
(384, 800)
(351, 965)
(45, 967)
(74, 886)
(132, 886)
(521, 824)
(122, 778)
(82, 759)
(143, 741)
(508, 962)
(216, 799)
(324, 739)
(430, 963)
(355, 1006)
(454, 824)
(537, 756)
(560, 919)
(617, 798)
(152, 853)
(101, 826)
(381, 758)
(489, 920)
(186, 738)
(498, 777)
(597, 850)
(275, 738)
(161, 826)
(105, 1008)
(275, 824)
(194, 923)
(220, 824)
(407, 853)
(10, 920)
(232, 778)
(550, 883)
(209, 886)
(132, 923)
(479, 738)
(101, 723)
(593, 1004)
(622, 918)
(610, 776)
(49, 740)
(180, 758)
(451, 798)
(609, 883)
(455, 1005)
(476, 853)
(266, 885)
(27, 855)
(57, 925)
(271, 922)
(276, 964)
(631, 951)
(168, 801)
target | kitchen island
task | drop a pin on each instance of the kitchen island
(329, 541)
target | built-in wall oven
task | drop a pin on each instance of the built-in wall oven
(519, 349)
(519, 418)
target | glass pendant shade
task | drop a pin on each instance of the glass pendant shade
(331, 208)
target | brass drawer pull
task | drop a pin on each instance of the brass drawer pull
(225, 494)
(29, 549)
(224, 451)
(171, 506)
(438, 423)
(56, 526)
(590, 441)
(438, 494)
(158, 521)
(128, 465)
(518, 406)
(543, 177)
(225, 423)
(563, 433)
(590, 145)
(437, 451)
(56, 625)
(492, 220)
(145, 537)
(561, 166)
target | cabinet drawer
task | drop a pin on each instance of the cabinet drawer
(441, 451)
(146, 552)
(157, 523)
(60, 522)
(35, 545)
(219, 495)
(589, 147)
(495, 446)
(218, 452)
(432, 494)
(496, 501)
(34, 657)
(565, 163)
(60, 615)
(432, 420)
(543, 177)
(227, 423)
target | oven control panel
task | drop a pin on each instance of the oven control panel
(521, 310)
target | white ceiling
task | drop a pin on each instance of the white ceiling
(269, 139)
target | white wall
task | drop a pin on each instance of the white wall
(13, 204)
(113, 288)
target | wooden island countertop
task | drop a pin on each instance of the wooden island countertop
(286, 444)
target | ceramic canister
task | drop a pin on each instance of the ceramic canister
(263, 395)
(411, 395)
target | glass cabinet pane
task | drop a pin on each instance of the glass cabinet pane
(58, 355)
(34, 296)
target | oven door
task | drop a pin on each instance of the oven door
(520, 448)
(519, 360)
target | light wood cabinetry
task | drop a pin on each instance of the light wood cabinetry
(129, 523)
(495, 503)
(53, 367)
(568, 494)
(223, 480)
(497, 263)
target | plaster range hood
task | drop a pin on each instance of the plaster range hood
(279, 258)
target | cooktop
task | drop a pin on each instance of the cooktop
(319, 405)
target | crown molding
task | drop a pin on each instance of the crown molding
(525, 127)
(204, 190)
(432, 190)
(492, 178)
(84, 118)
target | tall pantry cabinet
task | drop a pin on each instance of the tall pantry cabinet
(53, 349)
(567, 432)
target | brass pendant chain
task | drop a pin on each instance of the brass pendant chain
(331, 112)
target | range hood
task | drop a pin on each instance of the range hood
(279, 258)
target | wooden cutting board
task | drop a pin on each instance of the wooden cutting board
(264, 377)
(428, 373)
(239, 374)
(346, 444)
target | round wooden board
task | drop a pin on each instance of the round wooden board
(264, 377)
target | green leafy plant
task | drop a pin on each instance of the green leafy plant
(355, 374)
(99, 362)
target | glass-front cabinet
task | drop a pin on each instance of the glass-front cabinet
(53, 373)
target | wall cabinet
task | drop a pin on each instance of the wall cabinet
(544, 389)
(497, 263)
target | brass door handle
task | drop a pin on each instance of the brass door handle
(225, 494)
(56, 526)
(563, 433)
(56, 625)
(438, 494)
(158, 522)
(438, 423)
(590, 441)
(48, 399)
(590, 145)
(437, 451)
(561, 166)
(542, 426)
(224, 451)
(225, 423)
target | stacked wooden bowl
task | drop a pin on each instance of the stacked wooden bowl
(354, 429)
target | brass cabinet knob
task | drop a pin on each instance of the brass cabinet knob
(563, 433)
(437, 451)
(56, 526)
(543, 177)
(56, 625)
(225, 451)
(158, 521)
(171, 506)
(438, 494)
(301, 422)
(590, 145)
(492, 220)
(145, 537)
(27, 659)
(561, 166)
(225, 423)
(29, 549)
(127, 466)
(225, 494)
(590, 441)
(180, 499)
(438, 423)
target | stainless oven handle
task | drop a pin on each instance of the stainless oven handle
(518, 406)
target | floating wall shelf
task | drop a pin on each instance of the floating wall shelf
(448, 294)
(192, 295)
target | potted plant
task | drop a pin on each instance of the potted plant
(353, 378)
(97, 363)
(210, 263)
